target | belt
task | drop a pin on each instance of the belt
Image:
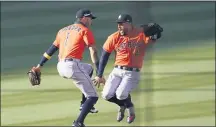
(127, 68)
(70, 59)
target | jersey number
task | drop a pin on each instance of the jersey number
(66, 40)
(137, 52)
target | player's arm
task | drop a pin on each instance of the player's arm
(48, 54)
(50, 51)
(103, 62)
(94, 55)
(90, 42)
(108, 47)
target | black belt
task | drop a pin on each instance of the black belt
(127, 68)
(68, 59)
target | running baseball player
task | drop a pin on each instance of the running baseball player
(129, 44)
(71, 42)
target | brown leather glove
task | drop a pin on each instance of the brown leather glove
(34, 76)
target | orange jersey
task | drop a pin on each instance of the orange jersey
(72, 40)
(129, 49)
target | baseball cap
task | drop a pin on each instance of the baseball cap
(124, 18)
(84, 13)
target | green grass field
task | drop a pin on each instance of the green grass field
(177, 88)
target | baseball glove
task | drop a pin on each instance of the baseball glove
(152, 30)
(34, 76)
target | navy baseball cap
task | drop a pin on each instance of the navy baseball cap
(122, 18)
(84, 13)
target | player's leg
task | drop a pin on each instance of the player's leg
(111, 86)
(122, 107)
(83, 81)
(129, 82)
(73, 70)
(89, 69)
(82, 101)
(109, 91)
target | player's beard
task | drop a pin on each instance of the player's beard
(123, 32)
(88, 23)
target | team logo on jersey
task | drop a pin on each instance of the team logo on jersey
(135, 46)
(129, 44)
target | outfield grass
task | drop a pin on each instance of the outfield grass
(177, 87)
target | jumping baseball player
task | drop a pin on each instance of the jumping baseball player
(129, 44)
(71, 42)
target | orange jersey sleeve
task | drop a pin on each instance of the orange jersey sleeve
(88, 37)
(109, 45)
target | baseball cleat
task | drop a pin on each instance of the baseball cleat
(131, 115)
(93, 109)
(130, 118)
(120, 115)
(78, 124)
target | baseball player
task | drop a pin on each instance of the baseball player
(71, 42)
(129, 44)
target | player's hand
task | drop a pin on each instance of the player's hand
(37, 68)
(97, 81)
(34, 76)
